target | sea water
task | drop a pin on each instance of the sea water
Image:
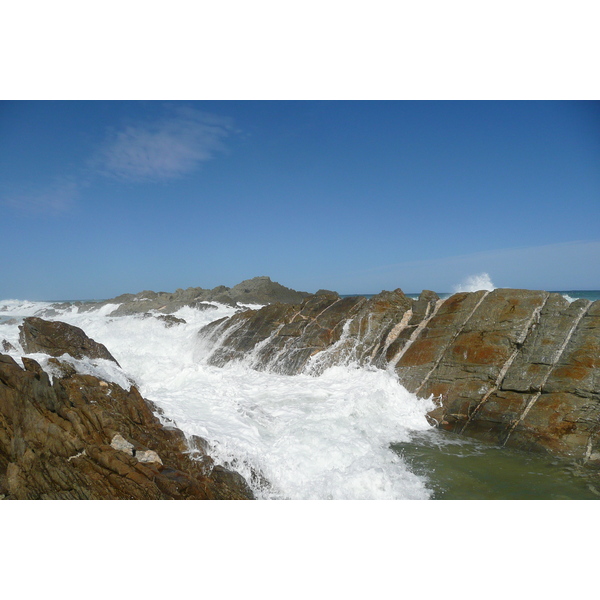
(296, 437)
(349, 433)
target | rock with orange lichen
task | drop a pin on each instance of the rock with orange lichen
(516, 367)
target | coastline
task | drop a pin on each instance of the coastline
(420, 456)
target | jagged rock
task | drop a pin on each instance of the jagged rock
(170, 320)
(285, 338)
(7, 346)
(148, 456)
(409, 327)
(81, 438)
(516, 367)
(63, 369)
(223, 298)
(259, 324)
(118, 442)
(57, 338)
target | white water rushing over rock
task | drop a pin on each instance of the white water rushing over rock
(310, 437)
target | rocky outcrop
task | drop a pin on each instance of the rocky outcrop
(57, 338)
(322, 331)
(520, 370)
(78, 437)
(7, 346)
(170, 320)
(516, 367)
(259, 290)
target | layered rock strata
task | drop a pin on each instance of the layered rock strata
(516, 367)
(322, 331)
(78, 437)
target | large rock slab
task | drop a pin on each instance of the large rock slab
(428, 337)
(481, 350)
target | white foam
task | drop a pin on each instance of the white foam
(325, 436)
(106, 309)
(311, 437)
(21, 308)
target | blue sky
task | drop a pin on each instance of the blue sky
(100, 198)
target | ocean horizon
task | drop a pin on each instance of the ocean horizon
(592, 295)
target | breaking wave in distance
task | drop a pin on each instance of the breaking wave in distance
(474, 283)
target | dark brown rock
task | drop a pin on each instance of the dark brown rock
(170, 320)
(367, 329)
(55, 443)
(57, 338)
(7, 346)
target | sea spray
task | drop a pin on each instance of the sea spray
(310, 437)
(303, 436)
(474, 283)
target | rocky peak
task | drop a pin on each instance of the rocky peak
(261, 290)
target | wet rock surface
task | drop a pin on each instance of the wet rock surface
(519, 368)
(78, 437)
(288, 338)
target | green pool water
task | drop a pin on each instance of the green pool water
(459, 469)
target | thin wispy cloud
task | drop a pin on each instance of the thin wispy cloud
(54, 199)
(165, 149)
